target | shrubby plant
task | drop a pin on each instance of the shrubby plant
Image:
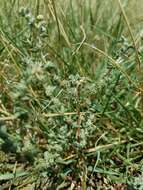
(71, 96)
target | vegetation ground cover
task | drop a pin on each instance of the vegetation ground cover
(71, 94)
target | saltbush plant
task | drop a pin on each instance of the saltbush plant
(71, 96)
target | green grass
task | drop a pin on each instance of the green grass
(71, 94)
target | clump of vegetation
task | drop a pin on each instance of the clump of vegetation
(71, 101)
